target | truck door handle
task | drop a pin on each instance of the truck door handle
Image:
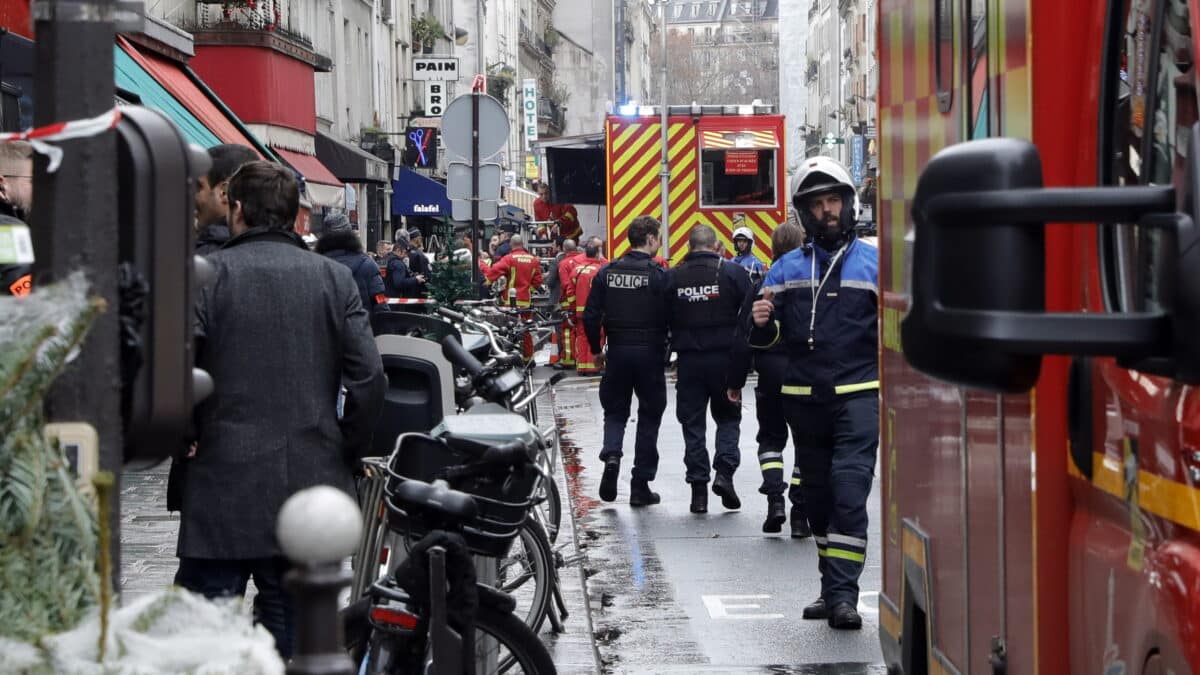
(1080, 430)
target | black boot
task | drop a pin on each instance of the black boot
(816, 610)
(641, 495)
(775, 514)
(699, 497)
(800, 529)
(723, 488)
(608, 482)
(844, 616)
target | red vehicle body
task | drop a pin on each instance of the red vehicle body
(1058, 530)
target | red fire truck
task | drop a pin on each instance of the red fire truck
(1040, 336)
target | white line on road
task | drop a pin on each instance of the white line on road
(719, 608)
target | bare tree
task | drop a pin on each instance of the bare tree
(727, 68)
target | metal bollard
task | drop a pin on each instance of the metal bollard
(317, 529)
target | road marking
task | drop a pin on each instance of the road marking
(868, 603)
(719, 607)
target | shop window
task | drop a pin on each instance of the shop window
(737, 177)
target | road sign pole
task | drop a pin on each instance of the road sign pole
(475, 187)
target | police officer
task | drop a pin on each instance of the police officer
(743, 247)
(822, 301)
(627, 301)
(706, 294)
(16, 203)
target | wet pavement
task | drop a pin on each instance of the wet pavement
(675, 592)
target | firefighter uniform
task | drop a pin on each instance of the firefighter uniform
(627, 303)
(571, 335)
(584, 274)
(523, 271)
(825, 309)
(706, 294)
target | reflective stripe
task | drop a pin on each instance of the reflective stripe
(523, 303)
(771, 465)
(774, 341)
(798, 390)
(764, 456)
(821, 540)
(795, 480)
(864, 285)
(797, 283)
(844, 555)
(843, 539)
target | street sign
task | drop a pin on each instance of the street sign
(529, 112)
(435, 98)
(435, 69)
(460, 209)
(857, 159)
(456, 126)
(833, 140)
(458, 180)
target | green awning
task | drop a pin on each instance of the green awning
(132, 77)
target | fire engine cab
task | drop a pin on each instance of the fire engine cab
(1040, 336)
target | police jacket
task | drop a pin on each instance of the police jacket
(751, 264)
(418, 262)
(706, 293)
(840, 354)
(398, 281)
(15, 279)
(628, 300)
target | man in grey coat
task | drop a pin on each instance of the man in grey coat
(280, 330)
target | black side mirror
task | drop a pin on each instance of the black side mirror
(978, 281)
(157, 171)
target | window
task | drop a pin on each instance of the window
(943, 52)
(1151, 107)
(737, 177)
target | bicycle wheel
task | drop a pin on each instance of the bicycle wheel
(527, 573)
(506, 645)
(551, 507)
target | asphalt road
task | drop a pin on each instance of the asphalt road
(676, 592)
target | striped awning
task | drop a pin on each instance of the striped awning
(719, 140)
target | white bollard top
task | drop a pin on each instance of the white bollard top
(320, 524)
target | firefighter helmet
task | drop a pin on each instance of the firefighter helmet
(821, 175)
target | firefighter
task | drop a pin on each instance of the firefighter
(706, 293)
(822, 301)
(564, 267)
(523, 270)
(628, 303)
(743, 247)
(564, 215)
(585, 269)
(772, 434)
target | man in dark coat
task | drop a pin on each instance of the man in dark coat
(398, 280)
(212, 207)
(418, 262)
(281, 331)
(339, 242)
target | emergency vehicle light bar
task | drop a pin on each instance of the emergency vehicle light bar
(633, 109)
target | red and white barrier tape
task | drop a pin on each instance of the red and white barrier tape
(41, 137)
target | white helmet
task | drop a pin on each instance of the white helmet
(743, 232)
(818, 175)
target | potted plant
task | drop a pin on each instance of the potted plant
(425, 32)
(551, 37)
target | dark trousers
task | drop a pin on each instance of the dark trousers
(227, 578)
(633, 370)
(772, 434)
(700, 385)
(836, 445)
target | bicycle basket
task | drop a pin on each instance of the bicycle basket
(502, 502)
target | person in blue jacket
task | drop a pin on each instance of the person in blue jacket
(743, 246)
(822, 301)
(339, 242)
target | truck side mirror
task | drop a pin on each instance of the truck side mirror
(157, 173)
(978, 282)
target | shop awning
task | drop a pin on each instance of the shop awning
(757, 138)
(134, 78)
(416, 195)
(175, 79)
(324, 189)
(349, 163)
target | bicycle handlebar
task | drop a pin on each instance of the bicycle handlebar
(454, 352)
(451, 314)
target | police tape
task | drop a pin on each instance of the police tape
(41, 137)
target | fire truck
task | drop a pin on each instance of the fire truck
(1040, 336)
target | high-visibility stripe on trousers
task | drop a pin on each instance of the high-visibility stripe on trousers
(584, 360)
(566, 345)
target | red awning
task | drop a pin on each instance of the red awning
(310, 167)
(175, 81)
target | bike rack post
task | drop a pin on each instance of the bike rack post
(487, 572)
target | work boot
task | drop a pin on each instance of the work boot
(775, 515)
(641, 495)
(800, 529)
(608, 482)
(699, 498)
(816, 610)
(723, 488)
(844, 616)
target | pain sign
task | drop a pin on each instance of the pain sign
(529, 112)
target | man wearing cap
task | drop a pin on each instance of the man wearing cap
(398, 280)
(339, 242)
(822, 301)
(418, 262)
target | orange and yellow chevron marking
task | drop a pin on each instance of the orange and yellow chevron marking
(740, 139)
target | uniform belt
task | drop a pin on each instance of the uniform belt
(799, 390)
